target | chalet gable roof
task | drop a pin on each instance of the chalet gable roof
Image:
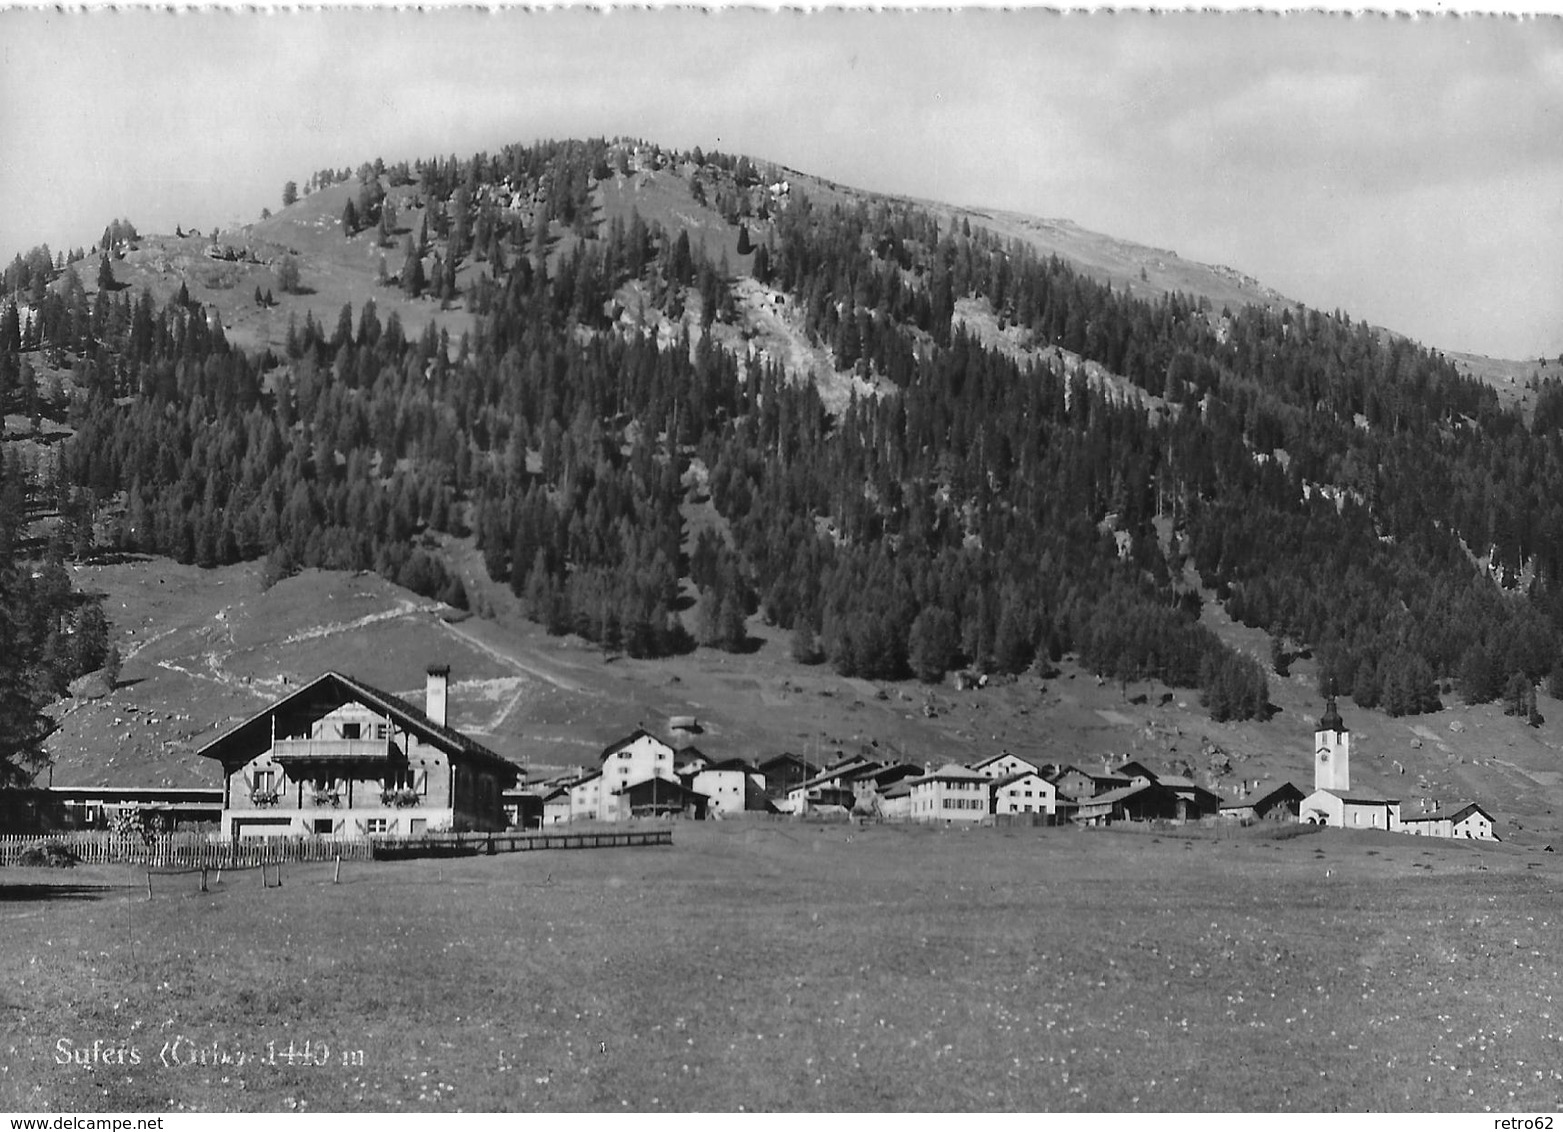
(1009, 779)
(639, 733)
(329, 691)
(991, 759)
(954, 772)
(734, 763)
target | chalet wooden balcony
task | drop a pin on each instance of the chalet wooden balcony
(291, 752)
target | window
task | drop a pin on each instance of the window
(377, 825)
(351, 730)
(322, 827)
(379, 731)
(264, 781)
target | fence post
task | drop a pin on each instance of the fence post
(149, 883)
(336, 876)
(203, 878)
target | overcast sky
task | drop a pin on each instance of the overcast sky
(1408, 171)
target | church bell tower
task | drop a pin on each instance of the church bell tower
(1331, 751)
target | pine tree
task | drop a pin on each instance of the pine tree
(805, 647)
(932, 643)
(289, 194)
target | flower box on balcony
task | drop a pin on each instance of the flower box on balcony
(399, 799)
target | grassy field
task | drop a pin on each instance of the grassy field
(791, 966)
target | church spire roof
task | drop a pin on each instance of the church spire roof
(1331, 720)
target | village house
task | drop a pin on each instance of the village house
(638, 757)
(829, 790)
(339, 758)
(896, 803)
(1280, 803)
(1003, 765)
(953, 793)
(1026, 792)
(689, 760)
(784, 773)
(1468, 822)
(657, 797)
(870, 784)
(585, 797)
(1077, 783)
(1177, 802)
(556, 806)
(732, 785)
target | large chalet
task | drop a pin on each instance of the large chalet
(339, 758)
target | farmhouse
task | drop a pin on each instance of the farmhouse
(1003, 765)
(952, 793)
(637, 757)
(1081, 784)
(785, 772)
(1174, 801)
(1468, 822)
(657, 797)
(1026, 792)
(339, 758)
(1279, 804)
(831, 788)
(732, 786)
(690, 760)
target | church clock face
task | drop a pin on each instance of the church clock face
(1324, 754)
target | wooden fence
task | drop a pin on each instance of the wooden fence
(197, 851)
(472, 844)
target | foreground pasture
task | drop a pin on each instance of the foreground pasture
(789, 966)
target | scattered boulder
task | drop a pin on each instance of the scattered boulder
(93, 686)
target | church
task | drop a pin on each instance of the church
(1333, 801)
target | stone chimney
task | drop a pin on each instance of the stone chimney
(434, 695)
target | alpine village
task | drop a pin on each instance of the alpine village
(786, 545)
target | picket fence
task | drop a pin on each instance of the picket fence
(186, 850)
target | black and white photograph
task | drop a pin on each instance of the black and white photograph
(733, 560)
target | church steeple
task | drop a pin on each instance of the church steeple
(1331, 720)
(1331, 751)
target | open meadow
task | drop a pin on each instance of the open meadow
(782, 965)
